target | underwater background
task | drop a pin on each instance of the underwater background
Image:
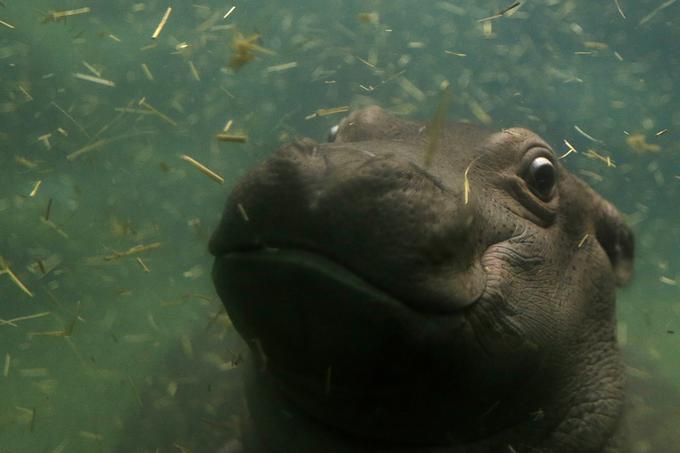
(111, 335)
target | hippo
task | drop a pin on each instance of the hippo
(391, 304)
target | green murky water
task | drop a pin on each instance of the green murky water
(122, 344)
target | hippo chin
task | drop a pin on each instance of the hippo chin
(463, 306)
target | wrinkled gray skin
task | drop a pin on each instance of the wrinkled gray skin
(384, 313)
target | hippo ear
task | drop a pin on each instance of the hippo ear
(616, 238)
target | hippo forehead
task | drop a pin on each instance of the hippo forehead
(374, 123)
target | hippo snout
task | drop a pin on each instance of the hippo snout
(395, 225)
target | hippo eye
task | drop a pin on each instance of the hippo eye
(333, 133)
(542, 177)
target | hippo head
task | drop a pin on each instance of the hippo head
(468, 302)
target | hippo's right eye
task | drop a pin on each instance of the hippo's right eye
(542, 177)
(333, 133)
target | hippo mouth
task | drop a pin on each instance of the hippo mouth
(302, 296)
(334, 343)
(318, 272)
(302, 269)
(347, 352)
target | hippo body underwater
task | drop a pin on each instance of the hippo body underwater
(463, 306)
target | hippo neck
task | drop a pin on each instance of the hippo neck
(271, 421)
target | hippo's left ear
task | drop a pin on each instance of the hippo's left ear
(616, 238)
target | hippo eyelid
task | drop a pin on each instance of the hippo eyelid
(527, 166)
(540, 210)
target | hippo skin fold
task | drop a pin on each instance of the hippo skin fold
(463, 305)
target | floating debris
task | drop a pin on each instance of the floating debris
(147, 72)
(369, 17)
(639, 143)
(48, 209)
(591, 153)
(68, 115)
(55, 16)
(133, 250)
(437, 126)
(25, 92)
(238, 138)
(133, 110)
(479, 112)
(92, 69)
(13, 321)
(618, 7)
(101, 142)
(655, 11)
(194, 71)
(282, 67)
(245, 49)
(202, 168)
(143, 103)
(45, 139)
(25, 162)
(457, 54)
(571, 149)
(6, 24)
(583, 240)
(326, 112)
(466, 184)
(243, 212)
(42, 267)
(590, 174)
(34, 372)
(35, 188)
(586, 135)
(135, 391)
(504, 12)
(661, 132)
(90, 435)
(161, 25)
(367, 63)
(52, 225)
(77, 153)
(94, 79)
(143, 264)
(412, 90)
(228, 13)
(5, 269)
(668, 281)
(8, 361)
